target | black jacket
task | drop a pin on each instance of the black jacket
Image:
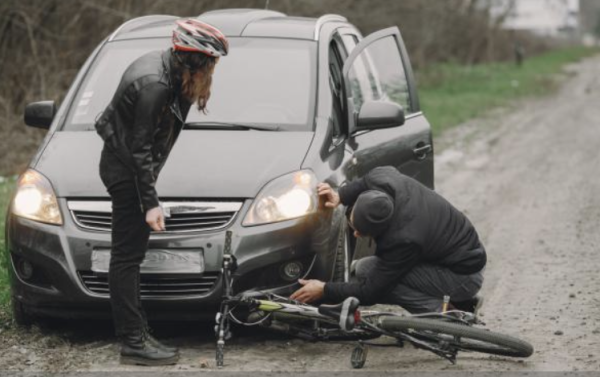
(141, 124)
(425, 228)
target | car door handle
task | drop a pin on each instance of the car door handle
(421, 151)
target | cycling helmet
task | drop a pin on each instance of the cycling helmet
(195, 36)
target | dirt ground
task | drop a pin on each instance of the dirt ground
(527, 177)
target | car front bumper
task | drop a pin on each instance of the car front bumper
(60, 257)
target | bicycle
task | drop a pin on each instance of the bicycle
(444, 334)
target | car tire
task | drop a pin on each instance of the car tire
(21, 316)
(341, 265)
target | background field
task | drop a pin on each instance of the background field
(6, 189)
(452, 93)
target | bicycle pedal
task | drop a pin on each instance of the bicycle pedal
(359, 356)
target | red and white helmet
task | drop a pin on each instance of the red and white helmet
(196, 36)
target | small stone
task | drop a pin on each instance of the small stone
(558, 332)
(572, 295)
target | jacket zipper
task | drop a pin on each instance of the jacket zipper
(137, 188)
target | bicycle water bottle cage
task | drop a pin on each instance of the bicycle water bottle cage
(343, 312)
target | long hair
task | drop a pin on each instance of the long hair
(192, 74)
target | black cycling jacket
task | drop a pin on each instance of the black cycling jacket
(425, 228)
(141, 124)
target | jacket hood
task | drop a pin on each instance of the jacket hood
(202, 164)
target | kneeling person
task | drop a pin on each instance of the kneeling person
(426, 248)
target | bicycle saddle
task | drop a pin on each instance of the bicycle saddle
(343, 312)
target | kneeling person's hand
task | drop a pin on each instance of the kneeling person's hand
(312, 290)
(331, 197)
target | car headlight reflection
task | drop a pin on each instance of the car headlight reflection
(35, 199)
(287, 197)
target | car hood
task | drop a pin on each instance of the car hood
(202, 164)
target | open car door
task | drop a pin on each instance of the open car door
(378, 70)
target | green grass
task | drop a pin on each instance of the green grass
(451, 94)
(6, 190)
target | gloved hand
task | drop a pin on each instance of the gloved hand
(156, 219)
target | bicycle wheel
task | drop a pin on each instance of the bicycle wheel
(459, 336)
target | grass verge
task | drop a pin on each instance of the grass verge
(7, 186)
(452, 94)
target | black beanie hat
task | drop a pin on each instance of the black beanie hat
(373, 212)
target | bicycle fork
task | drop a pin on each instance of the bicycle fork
(222, 319)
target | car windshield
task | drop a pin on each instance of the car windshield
(263, 81)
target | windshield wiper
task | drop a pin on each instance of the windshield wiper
(229, 126)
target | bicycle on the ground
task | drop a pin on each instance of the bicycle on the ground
(444, 334)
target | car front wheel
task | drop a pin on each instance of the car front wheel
(343, 257)
(20, 314)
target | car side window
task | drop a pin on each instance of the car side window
(383, 75)
(363, 86)
(335, 83)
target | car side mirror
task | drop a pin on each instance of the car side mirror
(379, 114)
(40, 114)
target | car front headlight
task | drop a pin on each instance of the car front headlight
(35, 199)
(287, 197)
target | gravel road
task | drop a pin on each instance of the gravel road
(528, 178)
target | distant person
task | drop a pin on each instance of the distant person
(426, 248)
(139, 127)
(519, 53)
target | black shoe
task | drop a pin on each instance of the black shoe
(472, 306)
(137, 349)
(155, 342)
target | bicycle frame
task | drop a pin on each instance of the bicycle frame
(366, 324)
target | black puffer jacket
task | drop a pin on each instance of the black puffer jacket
(425, 228)
(141, 124)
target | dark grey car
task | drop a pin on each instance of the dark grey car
(298, 101)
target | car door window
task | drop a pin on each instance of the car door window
(387, 73)
(360, 79)
(378, 73)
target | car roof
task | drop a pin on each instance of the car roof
(233, 23)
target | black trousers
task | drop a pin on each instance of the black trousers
(130, 235)
(423, 288)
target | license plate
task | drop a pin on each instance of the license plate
(157, 262)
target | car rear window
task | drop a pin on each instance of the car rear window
(262, 81)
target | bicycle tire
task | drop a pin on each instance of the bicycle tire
(469, 338)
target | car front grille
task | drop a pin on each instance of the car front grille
(157, 285)
(184, 216)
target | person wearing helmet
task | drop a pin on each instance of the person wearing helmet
(425, 248)
(139, 128)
